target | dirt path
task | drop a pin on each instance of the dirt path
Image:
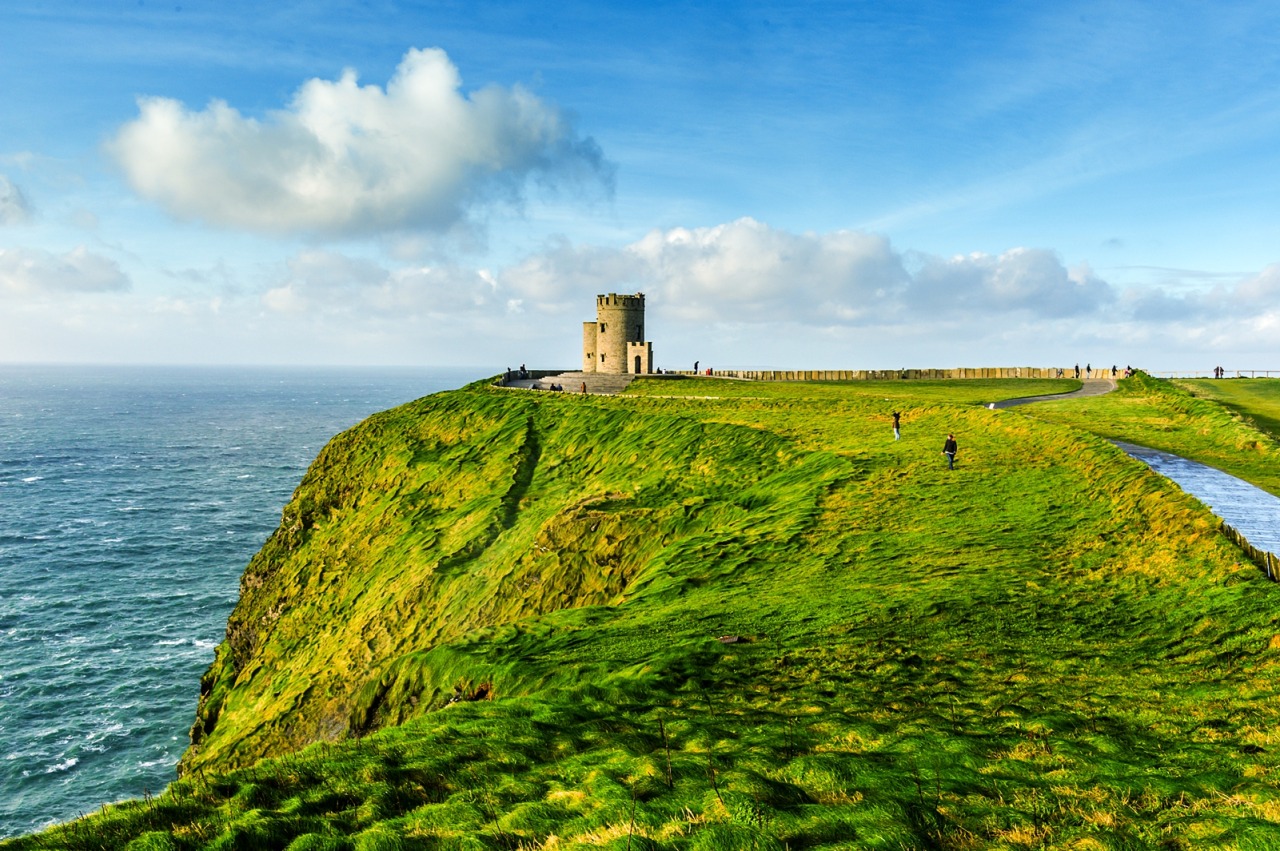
(1092, 387)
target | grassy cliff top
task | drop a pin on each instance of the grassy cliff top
(715, 614)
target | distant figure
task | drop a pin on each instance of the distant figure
(949, 450)
(896, 434)
(584, 387)
(1059, 372)
(695, 367)
(1077, 372)
(1113, 370)
(1088, 370)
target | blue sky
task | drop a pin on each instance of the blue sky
(792, 185)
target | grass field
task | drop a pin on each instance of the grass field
(750, 621)
(1164, 415)
(1256, 399)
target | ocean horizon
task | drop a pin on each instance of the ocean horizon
(131, 499)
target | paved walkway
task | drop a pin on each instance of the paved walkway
(597, 383)
(1092, 387)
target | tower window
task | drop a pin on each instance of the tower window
(601, 327)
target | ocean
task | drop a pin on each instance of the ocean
(131, 498)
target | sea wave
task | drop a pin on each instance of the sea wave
(86, 684)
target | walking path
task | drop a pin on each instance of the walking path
(1251, 511)
(1092, 387)
(598, 383)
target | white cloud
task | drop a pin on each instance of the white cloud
(326, 282)
(1021, 279)
(347, 159)
(29, 272)
(748, 271)
(557, 278)
(1262, 291)
(14, 209)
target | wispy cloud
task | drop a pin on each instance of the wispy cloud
(14, 209)
(330, 283)
(29, 272)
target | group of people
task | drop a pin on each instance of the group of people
(1102, 371)
(1219, 372)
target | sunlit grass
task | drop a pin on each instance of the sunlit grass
(1255, 399)
(548, 621)
(953, 392)
(1162, 415)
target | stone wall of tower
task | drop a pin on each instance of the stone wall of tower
(589, 356)
(619, 322)
(640, 358)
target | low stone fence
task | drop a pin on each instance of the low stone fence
(1208, 373)
(1269, 562)
(889, 374)
(534, 374)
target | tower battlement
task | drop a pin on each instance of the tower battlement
(629, 302)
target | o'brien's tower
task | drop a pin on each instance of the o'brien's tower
(614, 343)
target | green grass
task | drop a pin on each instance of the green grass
(1257, 400)
(949, 392)
(507, 620)
(1163, 415)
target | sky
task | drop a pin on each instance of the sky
(849, 185)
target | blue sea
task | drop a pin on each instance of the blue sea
(131, 498)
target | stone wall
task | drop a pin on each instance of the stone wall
(891, 374)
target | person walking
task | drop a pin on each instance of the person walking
(949, 450)
(897, 435)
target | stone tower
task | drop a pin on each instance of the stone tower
(614, 343)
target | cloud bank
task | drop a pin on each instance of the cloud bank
(346, 159)
(741, 293)
(748, 272)
(329, 283)
(29, 272)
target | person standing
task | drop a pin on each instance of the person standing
(897, 435)
(949, 450)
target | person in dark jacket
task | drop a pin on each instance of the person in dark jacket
(949, 450)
